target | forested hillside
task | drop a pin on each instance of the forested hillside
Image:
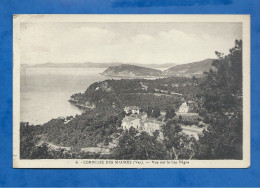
(126, 70)
(190, 69)
(162, 92)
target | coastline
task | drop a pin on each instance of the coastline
(134, 77)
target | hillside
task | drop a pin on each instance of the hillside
(93, 65)
(155, 66)
(71, 65)
(195, 68)
(131, 71)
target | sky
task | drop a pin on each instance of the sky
(144, 43)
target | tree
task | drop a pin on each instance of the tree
(179, 145)
(156, 112)
(221, 101)
(170, 113)
(149, 111)
(171, 132)
(153, 111)
(142, 146)
(40, 152)
(194, 80)
(180, 119)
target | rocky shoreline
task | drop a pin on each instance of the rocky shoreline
(86, 105)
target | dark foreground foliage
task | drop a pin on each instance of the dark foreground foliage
(221, 100)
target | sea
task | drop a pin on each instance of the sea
(44, 92)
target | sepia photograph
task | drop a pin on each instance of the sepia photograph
(131, 91)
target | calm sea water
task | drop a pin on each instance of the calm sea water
(45, 91)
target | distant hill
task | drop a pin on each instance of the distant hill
(94, 65)
(155, 66)
(131, 71)
(137, 70)
(189, 69)
(71, 65)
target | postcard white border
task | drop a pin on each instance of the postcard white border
(105, 163)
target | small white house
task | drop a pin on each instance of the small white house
(163, 113)
(184, 108)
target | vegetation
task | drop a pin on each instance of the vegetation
(131, 70)
(161, 93)
(195, 68)
(186, 70)
(221, 105)
(139, 146)
(217, 97)
(173, 145)
(179, 145)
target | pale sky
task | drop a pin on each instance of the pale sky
(143, 43)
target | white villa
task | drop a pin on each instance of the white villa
(151, 125)
(139, 121)
(130, 121)
(184, 108)
(184, 112)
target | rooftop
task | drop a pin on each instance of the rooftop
(152, 120)
(132, 108)
(140, 115)
(184, 104)
(129, 118)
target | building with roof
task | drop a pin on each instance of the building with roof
(184, 108)
(185, 114)
(151, 125)
(163, 113)
(130, 121)
(139, 121)
(141, 115)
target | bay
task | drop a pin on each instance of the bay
(45, 92)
